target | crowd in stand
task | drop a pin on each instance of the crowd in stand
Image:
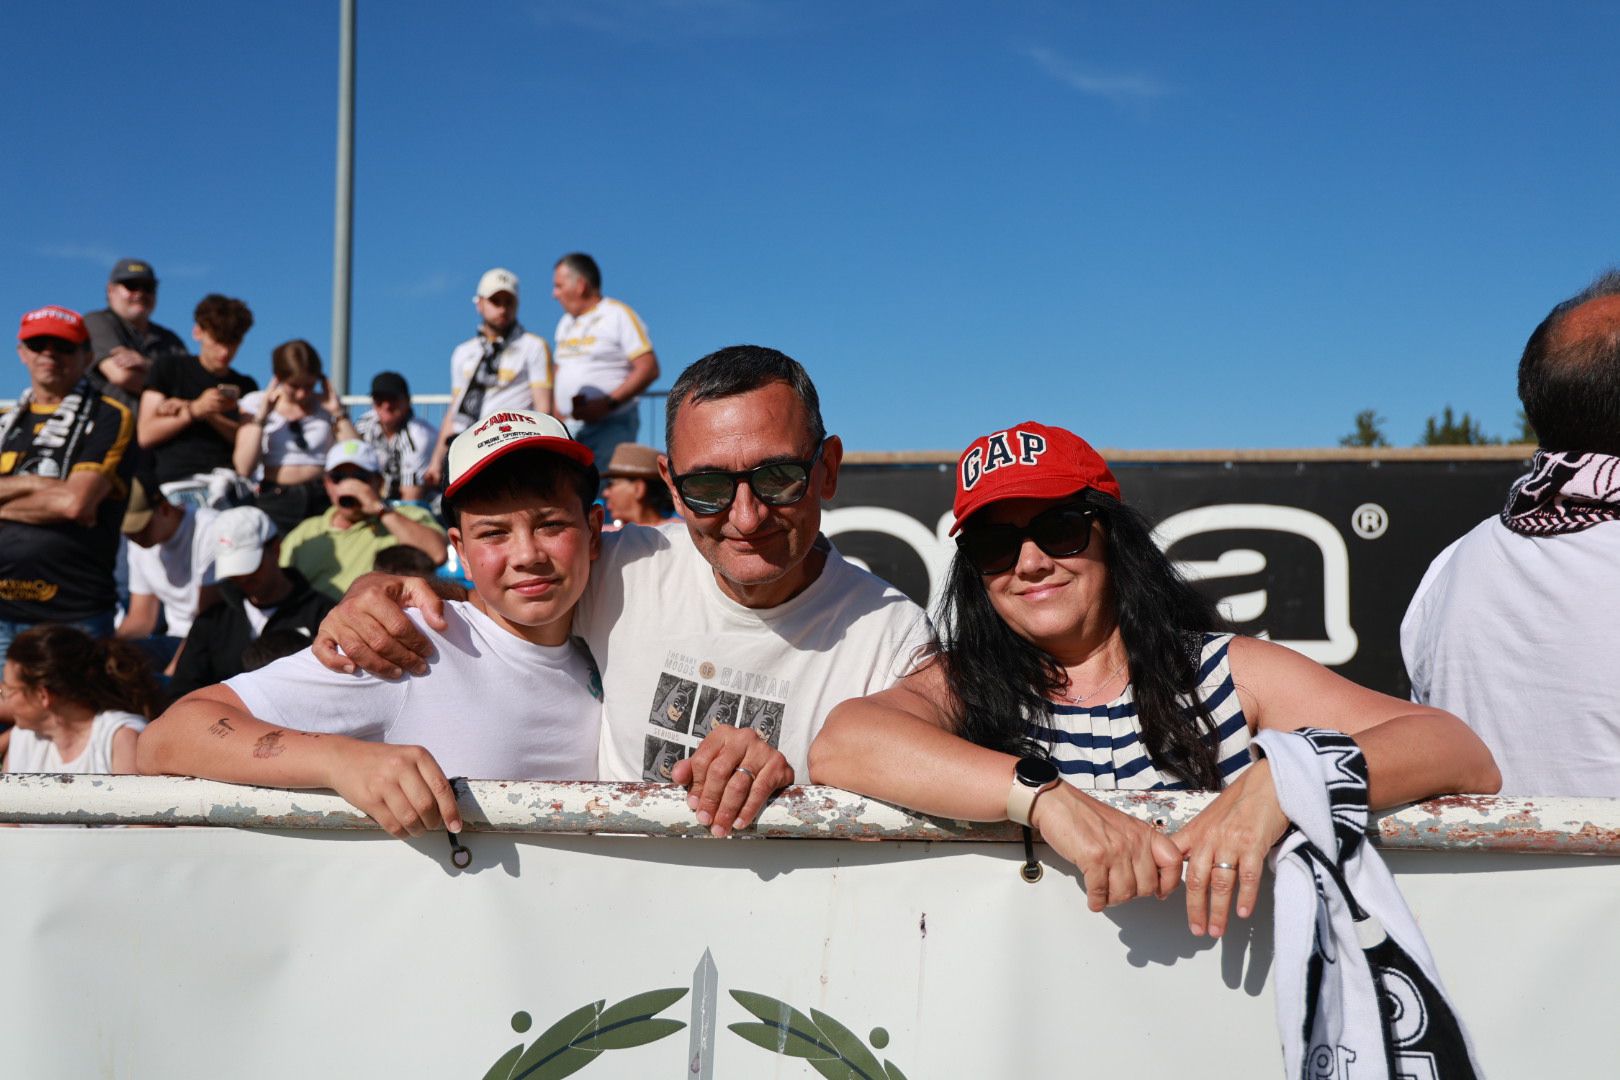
(1069, 648)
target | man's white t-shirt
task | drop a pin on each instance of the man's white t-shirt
(173, 572)
(525, 363)
(679, 656)
(1516, 635)
(594, 351)
(491, 707)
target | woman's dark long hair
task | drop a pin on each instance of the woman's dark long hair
(101, 675)
(1003, 682)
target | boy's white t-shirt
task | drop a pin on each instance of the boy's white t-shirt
(679, 656)
(173, 571)
(491, 707)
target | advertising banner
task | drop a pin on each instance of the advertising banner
(1322, 555)
(198, 952)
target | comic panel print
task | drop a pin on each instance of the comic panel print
(672, 703)
(715, 706)
(659, 759)
(763, 716)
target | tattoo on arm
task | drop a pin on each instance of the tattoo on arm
(268, 746)
(221, 727)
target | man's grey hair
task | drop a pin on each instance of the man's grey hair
(738, 369)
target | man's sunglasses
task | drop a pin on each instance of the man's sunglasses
(47, 343)
(1060, 532)
(778, 483)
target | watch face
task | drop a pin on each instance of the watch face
(1036, 771)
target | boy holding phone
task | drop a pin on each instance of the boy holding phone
(508, 695)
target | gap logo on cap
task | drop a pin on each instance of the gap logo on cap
(999, 452)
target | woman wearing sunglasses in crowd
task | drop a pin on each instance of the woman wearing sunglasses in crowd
(287, 429)
(1072, 650)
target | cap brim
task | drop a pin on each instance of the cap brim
(134, 523)
(238, 562)
(568, 448)
(1033, 489)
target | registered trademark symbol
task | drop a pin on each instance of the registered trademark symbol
(1369, 520)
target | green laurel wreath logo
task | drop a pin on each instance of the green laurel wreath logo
(829, 1047)
(577, 1039)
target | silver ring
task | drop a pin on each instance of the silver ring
(746, 769)
(1224, 866)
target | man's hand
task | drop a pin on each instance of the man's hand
(401, 787)
(1120, 856)
(125, 357)
(212, 402)
(588, 410)
(730, 776)
(372, 631)
(171, 407)
(367, 502)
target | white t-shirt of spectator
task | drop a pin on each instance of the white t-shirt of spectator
(176, 569)
(290, 442)
(29, 753)
(492, 706)
(594, 351)
(679, 656)
(524, 364)
(406, 454)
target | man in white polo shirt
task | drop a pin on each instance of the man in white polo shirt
(502, 366)
(604, 359)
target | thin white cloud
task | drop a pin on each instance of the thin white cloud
(436, 284)
(1121, 89)
(90, 253)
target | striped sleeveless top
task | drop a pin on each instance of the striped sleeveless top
(1099, 747)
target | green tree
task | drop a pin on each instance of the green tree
(1369, 430)
(1527, 433)
(1447, 429)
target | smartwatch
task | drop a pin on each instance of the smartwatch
(1032, 775)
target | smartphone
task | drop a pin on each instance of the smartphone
(231, 390)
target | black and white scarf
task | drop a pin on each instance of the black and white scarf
(1564, 493)
(487, 375)
(54, 444)
(1356, 982)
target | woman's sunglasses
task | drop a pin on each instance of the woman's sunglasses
(1060, 532)
(778, 483)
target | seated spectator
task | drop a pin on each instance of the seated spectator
(406, 561)
(404, 442)
(189, 412)
(170, 571)
(124, 341)
(1072, 650)
(256, 596)
(521, 494)
(78, 703)
(64, 476)
(1513, 626)
(634, 493)
(266, 649)
(286, 432)
(338, 546)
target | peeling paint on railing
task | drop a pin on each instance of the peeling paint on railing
(1464, 822)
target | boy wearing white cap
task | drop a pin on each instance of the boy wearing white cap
(334, 548)
(508, 695)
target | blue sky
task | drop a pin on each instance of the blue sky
(1165, 226)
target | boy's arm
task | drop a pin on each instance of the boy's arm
(209, 733)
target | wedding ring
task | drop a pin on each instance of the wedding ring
(1225, 866)
(746, 769)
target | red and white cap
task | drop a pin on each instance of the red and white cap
(54, 321)
(1027, 461)
(514, 429)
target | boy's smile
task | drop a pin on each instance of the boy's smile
(529, 559)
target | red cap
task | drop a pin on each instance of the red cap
(54, 321)
(1027, 461)
(496, 436)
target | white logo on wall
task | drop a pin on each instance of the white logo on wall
(1337, 647)
(1369, 520)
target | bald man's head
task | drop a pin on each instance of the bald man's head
(1569, 376)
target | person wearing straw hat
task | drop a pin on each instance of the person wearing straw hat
(634, 492)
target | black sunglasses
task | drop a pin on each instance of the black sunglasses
(1060, 532)
(777, 483)
(49, 343)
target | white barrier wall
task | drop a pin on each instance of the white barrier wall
(209, 952)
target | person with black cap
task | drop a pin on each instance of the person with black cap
(124, 341)
(403, 441)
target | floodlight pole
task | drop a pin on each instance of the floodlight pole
(343, 238)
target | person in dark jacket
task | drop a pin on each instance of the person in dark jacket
(257, 596)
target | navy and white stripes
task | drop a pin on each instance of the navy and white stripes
(1100, 747)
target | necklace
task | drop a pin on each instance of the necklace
(1076, 700)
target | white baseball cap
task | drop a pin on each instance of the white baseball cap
(495, 281)
(515, 429)
(353, 452)
(237, 540)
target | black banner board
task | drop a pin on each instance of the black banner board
(1320, 555)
